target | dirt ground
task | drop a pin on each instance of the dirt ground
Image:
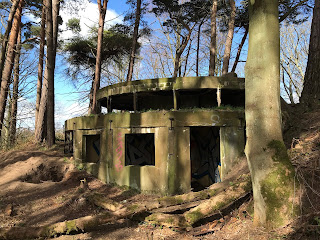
(41, 186)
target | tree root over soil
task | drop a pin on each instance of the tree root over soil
(180, 211)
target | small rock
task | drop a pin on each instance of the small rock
(8, 211)
(84, 184)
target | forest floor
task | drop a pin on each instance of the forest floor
(39, 187)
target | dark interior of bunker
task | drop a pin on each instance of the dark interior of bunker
(204, 156)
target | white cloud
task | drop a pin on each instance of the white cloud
(89, 16)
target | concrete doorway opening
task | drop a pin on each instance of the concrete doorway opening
(204, 156)
(92, 148)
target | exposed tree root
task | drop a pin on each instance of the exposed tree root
(207, 208)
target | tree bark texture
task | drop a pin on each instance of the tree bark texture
(40, 64)
(15, 92)
(5, 38)
(310, 95)
(95, 109)
(236, 61)
(7, 70)
(50, 103)
(213, 41)
(134, 41)
(227, 48)
(271, 170)
(48, 74)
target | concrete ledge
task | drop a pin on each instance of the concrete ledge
(229, 81)
(180, 118)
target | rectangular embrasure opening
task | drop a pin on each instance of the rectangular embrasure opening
(92, 148)
(140, 149)
(204, 156)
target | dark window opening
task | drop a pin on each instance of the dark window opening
(140, 150)
(198, 98)
(234, 98)
(92, 148)
(204, 156)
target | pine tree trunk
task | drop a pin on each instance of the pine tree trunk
(134, 41)
(40, 64)
(310, 95)
(7, 70)
(5, 37)
(50, 103)
(227, 49)
(48, 74)
(213, 42)
(236, 61)
(15, 92)
(95, 109)
(271, 170)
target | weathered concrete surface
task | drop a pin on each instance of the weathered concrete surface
(164, 84)
(172, 171)
(232, 141)
(192, 117)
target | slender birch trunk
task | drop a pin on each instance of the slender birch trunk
(95, 109)
(227, 49)
(236, 61)
(134, 41)
(40, 64)
(213, 41)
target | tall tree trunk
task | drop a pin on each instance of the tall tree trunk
(310, 95)
(48, 76)
(134, 41)
(236, 61)
(15, 92)
(5, 37)
(40, 64)
(7, 70)
(198, 49)
(95, 109)
(50, 103)
(271, 170)
(227, 49)
(213, 41)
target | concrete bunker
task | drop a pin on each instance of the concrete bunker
(172, 135)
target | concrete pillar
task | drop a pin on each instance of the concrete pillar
(231, 147)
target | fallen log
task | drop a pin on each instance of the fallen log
(177, 208)
(82, 224)
(235, 190)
